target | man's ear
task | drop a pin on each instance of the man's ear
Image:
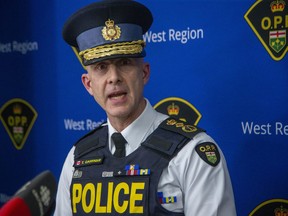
(146, 72)
(87, 82)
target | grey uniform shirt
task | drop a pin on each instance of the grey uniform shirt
(201, 189)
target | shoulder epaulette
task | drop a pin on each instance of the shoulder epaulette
(181, 127)
(91, 140)
(171, 136)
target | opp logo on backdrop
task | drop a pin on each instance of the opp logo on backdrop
(273, 207)
(18, 117)
(269, 21)
(180, 108)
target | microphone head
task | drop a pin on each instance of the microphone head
(38, 194)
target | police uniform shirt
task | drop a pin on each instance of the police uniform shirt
(200, 189)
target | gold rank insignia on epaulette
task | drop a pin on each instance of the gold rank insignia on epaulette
(181, 127)
(208, 151)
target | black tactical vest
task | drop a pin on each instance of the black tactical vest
(105, 185)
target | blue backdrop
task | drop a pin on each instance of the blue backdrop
(227, 58)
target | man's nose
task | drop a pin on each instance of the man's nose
(114, 74)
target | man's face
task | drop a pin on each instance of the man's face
(117, 86)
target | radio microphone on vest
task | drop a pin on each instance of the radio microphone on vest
(35, 198)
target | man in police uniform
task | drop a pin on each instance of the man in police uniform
(140, 162)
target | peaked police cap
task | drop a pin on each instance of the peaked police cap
(108, 29)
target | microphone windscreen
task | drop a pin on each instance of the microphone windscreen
(15, 207)
(38, 194)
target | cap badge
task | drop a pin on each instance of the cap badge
(111, 31)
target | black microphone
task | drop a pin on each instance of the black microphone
(35, 198)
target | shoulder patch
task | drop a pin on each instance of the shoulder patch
(208, 151)
(181, 127)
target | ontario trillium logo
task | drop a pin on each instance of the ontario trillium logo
(269, 21)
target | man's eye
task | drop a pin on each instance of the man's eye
(101, 67)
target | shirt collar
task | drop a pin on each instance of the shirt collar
(138, 130)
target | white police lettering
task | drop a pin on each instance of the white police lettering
(276, 128)
(172, 35)
(81, 125)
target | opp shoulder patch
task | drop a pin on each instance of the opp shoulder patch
(208, 151)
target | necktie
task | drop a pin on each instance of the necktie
(119, 142)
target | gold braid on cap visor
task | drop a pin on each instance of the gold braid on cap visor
(125, 48)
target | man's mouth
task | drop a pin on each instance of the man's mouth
(117, 95)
